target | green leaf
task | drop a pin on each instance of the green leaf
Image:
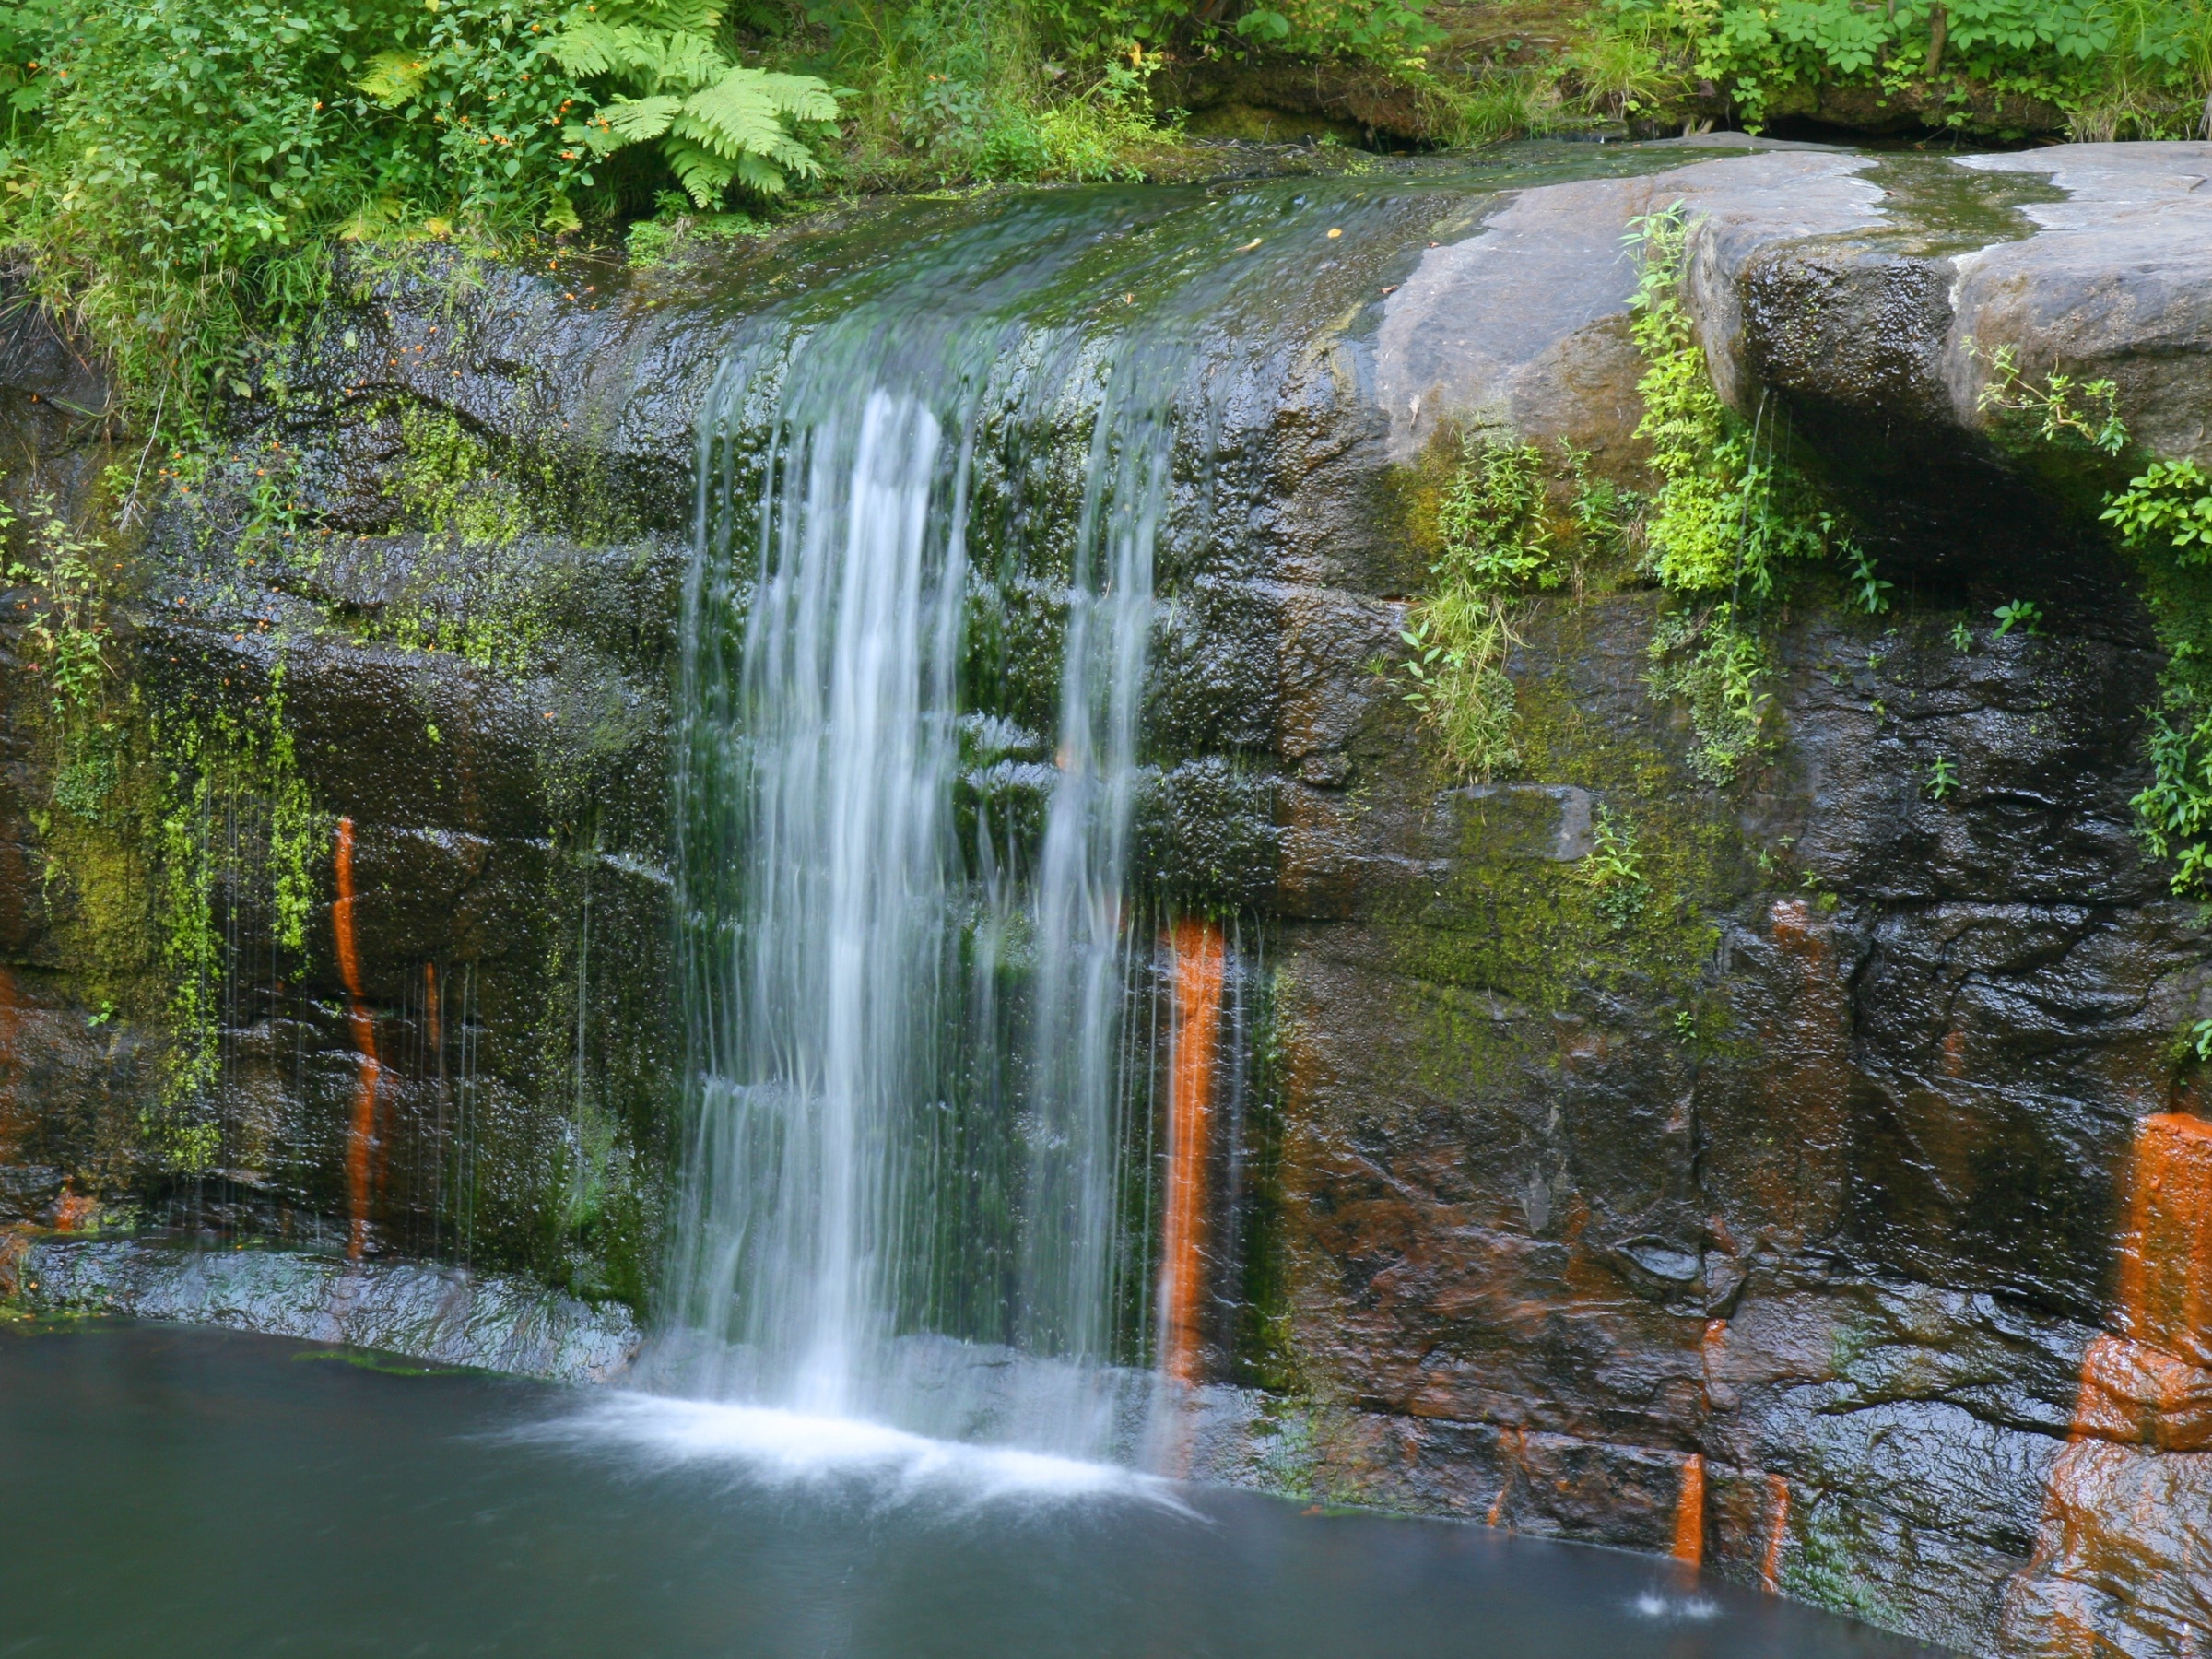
(393, 77)
(635, 120)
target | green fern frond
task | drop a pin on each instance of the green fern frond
(703, 174)
(635, 120)
(689, 62)
(761, 176)
(801, 96)
(679, 17)
(741, 114)
(600, 48)
(718, 122)
(393, 77)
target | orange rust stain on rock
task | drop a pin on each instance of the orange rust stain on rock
(1199, 957)
(2140, 1396)
(2152, 1385)
(1954, 1053)
(71, 1210)
(2108, 1517)
(1512, 1442)
(1777, 1533)
(1690, 1513)
(2165, 1281)
(361, 1130)
(1792, 920)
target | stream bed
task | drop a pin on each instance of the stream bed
(182, 1491)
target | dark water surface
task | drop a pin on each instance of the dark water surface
(171, 1491)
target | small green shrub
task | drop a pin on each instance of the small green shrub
(1512, 520)
(67, 627)
(176, 167)
(2138, 67)
(1613, 869)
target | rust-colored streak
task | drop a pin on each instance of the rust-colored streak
(1777, 1533)
(1690, 1513)
(1199, 957)
(2148, 1385)
(2166, 1252)
(361, 1131)
(430, 1001)
(71, 1210)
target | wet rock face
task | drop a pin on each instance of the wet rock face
(1825, 1215)
(1791, 1223)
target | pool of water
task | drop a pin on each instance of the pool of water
(176, 1491)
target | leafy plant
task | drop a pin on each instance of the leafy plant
(66, 628)
(2167, 504)
(1718, 520)
(1613, 868)
(177, 168)
(1503, 536)
(1718, 669)
(1869, 591)
(2141, 65)
(2061, 406)
(1729, 518)
(1943, 778)
(2023, 614)
(715, 122)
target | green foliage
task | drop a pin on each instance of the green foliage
(1502, 535)
(1614, 868)
(1380, 32)
(1868, 591)
(2169, 504)
(1730, 517)
(177, 166)
(1720, 519)
(1717, 668)
(2138, 66)
(66, 625)
(2059, 408)
(2162, 515)
(2023, 614)
(235, 828)
(715, 122)
(1943, 778)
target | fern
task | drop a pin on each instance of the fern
(717, 123)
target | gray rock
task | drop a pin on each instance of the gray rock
(444, 1315)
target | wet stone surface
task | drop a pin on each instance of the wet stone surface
(1805, 1192)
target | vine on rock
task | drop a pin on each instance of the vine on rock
(2163, 516)
(1731, 513)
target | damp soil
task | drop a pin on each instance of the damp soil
(184, 1491)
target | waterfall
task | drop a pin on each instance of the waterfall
(902, 854)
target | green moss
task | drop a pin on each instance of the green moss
(170, 815)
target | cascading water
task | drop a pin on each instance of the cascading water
(905, 913)
(916, 631)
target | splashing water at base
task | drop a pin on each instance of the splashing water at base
(776, 1448)
(210, 1495)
